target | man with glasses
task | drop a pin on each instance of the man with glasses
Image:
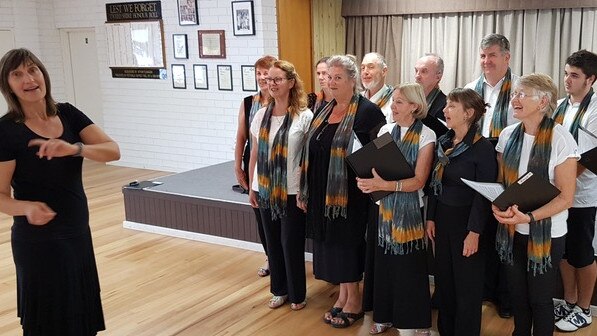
(373, 77)
(578, 269)
(494, 85)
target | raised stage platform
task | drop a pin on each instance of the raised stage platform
(198, 204)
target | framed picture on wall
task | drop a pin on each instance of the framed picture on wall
(243, 19)
(225, 77)
(248, 77)
(187, 12)
(179, 78)
(212, 44)
(181, 49)
(200, 75)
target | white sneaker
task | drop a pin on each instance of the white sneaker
(575, 320)
(561, 310)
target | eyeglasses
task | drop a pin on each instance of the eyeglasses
(521, 95)
(276, 80)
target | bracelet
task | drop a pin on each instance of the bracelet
(79, 149)
(398, 186)
(530, 214)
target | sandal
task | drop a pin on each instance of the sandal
(378, 328)
(333, 312)
(262, 272)
(277, 301)
(347, 319)
(298, 306)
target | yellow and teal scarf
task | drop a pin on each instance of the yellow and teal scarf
(539, 246)
(561, 111)
(499, 120)
(401, 228)
(272, 167)
(336, 196)
(432, 95)
(255, 106)
(446, 151)
(385, 97)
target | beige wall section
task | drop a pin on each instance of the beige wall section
(294, 37)
(329, 31)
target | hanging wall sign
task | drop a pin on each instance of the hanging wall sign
(134, 11)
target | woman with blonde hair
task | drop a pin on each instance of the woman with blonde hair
(532, 243)
(401, 282)
(278, 132)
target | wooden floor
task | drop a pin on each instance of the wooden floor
(161, 286)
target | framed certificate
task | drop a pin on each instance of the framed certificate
(179, 42)
(249, 80)
(200, 75)
(179, 78)
(225, 77)
(212, 44)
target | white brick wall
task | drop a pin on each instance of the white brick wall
(156, 126)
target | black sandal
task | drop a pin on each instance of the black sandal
(334, 311)
(348, 319)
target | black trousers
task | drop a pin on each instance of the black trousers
(459, 278)
(370, 257)
(532, 295)
(286, 251)
(496, 279)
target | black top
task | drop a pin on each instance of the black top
(435, 112)
(56, 182)
(478, 163)
(350, 230)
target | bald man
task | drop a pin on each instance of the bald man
(429, 71)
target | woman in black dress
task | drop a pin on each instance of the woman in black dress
(456, 214)
(337, 210)
(320, 99)
(42, 145)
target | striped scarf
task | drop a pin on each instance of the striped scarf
(561, 112)
(271, 167)
(499, 120)
(432, 95)
(443, 156)
(539, 246)
(401, 228)
(318, 101)
(385, 97)
(255, 106)
(336, 195)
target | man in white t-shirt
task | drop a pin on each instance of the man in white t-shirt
(494, 84)
(373, 77)
(578, 268)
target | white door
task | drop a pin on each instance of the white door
(7, 42)
(82, 75)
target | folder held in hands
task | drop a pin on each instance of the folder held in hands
(384, 155)
(529, 192)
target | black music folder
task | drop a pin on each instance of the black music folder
(384, 155)
(588, 159)
(529, 192)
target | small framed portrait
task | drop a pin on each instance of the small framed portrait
(248, 77)
(179, 78)
(187, 12)
(212, 44)
(243, 19)
(225, 77)
(181, 49)
(200, 75)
